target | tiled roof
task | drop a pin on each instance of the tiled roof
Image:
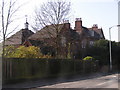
(89, 32)
(19, 37)
(50, 32)
(46, 32)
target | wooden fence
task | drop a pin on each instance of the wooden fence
(27, 69)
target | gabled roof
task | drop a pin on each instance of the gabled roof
(19, 37)
(50, 31)
(89, 32)
(47, 32)
(99, 32)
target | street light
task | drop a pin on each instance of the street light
(110, 45)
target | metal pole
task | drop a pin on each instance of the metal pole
(110, 49)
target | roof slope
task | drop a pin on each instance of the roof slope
(89, 32)
(47, 32)
(99, 33)
(50, 32)
(19, 37)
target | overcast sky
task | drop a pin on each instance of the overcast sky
(101, 12)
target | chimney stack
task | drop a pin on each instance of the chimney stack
(78, 24)
(95, 27)
(67, 24)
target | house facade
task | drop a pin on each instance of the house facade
(71, 41)
(60, 37)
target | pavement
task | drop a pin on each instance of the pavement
(47, 83)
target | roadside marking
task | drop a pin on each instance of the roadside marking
(104, 83)
(113, 76)
(101, 84)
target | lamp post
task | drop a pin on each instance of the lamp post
(110, 50)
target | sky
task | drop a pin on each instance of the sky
(104, 13)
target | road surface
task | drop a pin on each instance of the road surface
(109, 81)
(97, 80)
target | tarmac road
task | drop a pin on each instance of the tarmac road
(97, 80)
(109, 81)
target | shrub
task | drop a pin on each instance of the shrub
(88, 58)
(24, 52)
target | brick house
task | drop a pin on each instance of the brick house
(70, 40)
(46, 38)
(75, 39)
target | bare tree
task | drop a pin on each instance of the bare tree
(52, 14)
(8, 16)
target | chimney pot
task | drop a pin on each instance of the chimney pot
(95, 25)
(66, 21)
(78, 19)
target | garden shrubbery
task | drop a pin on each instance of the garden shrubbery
(24, 52)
